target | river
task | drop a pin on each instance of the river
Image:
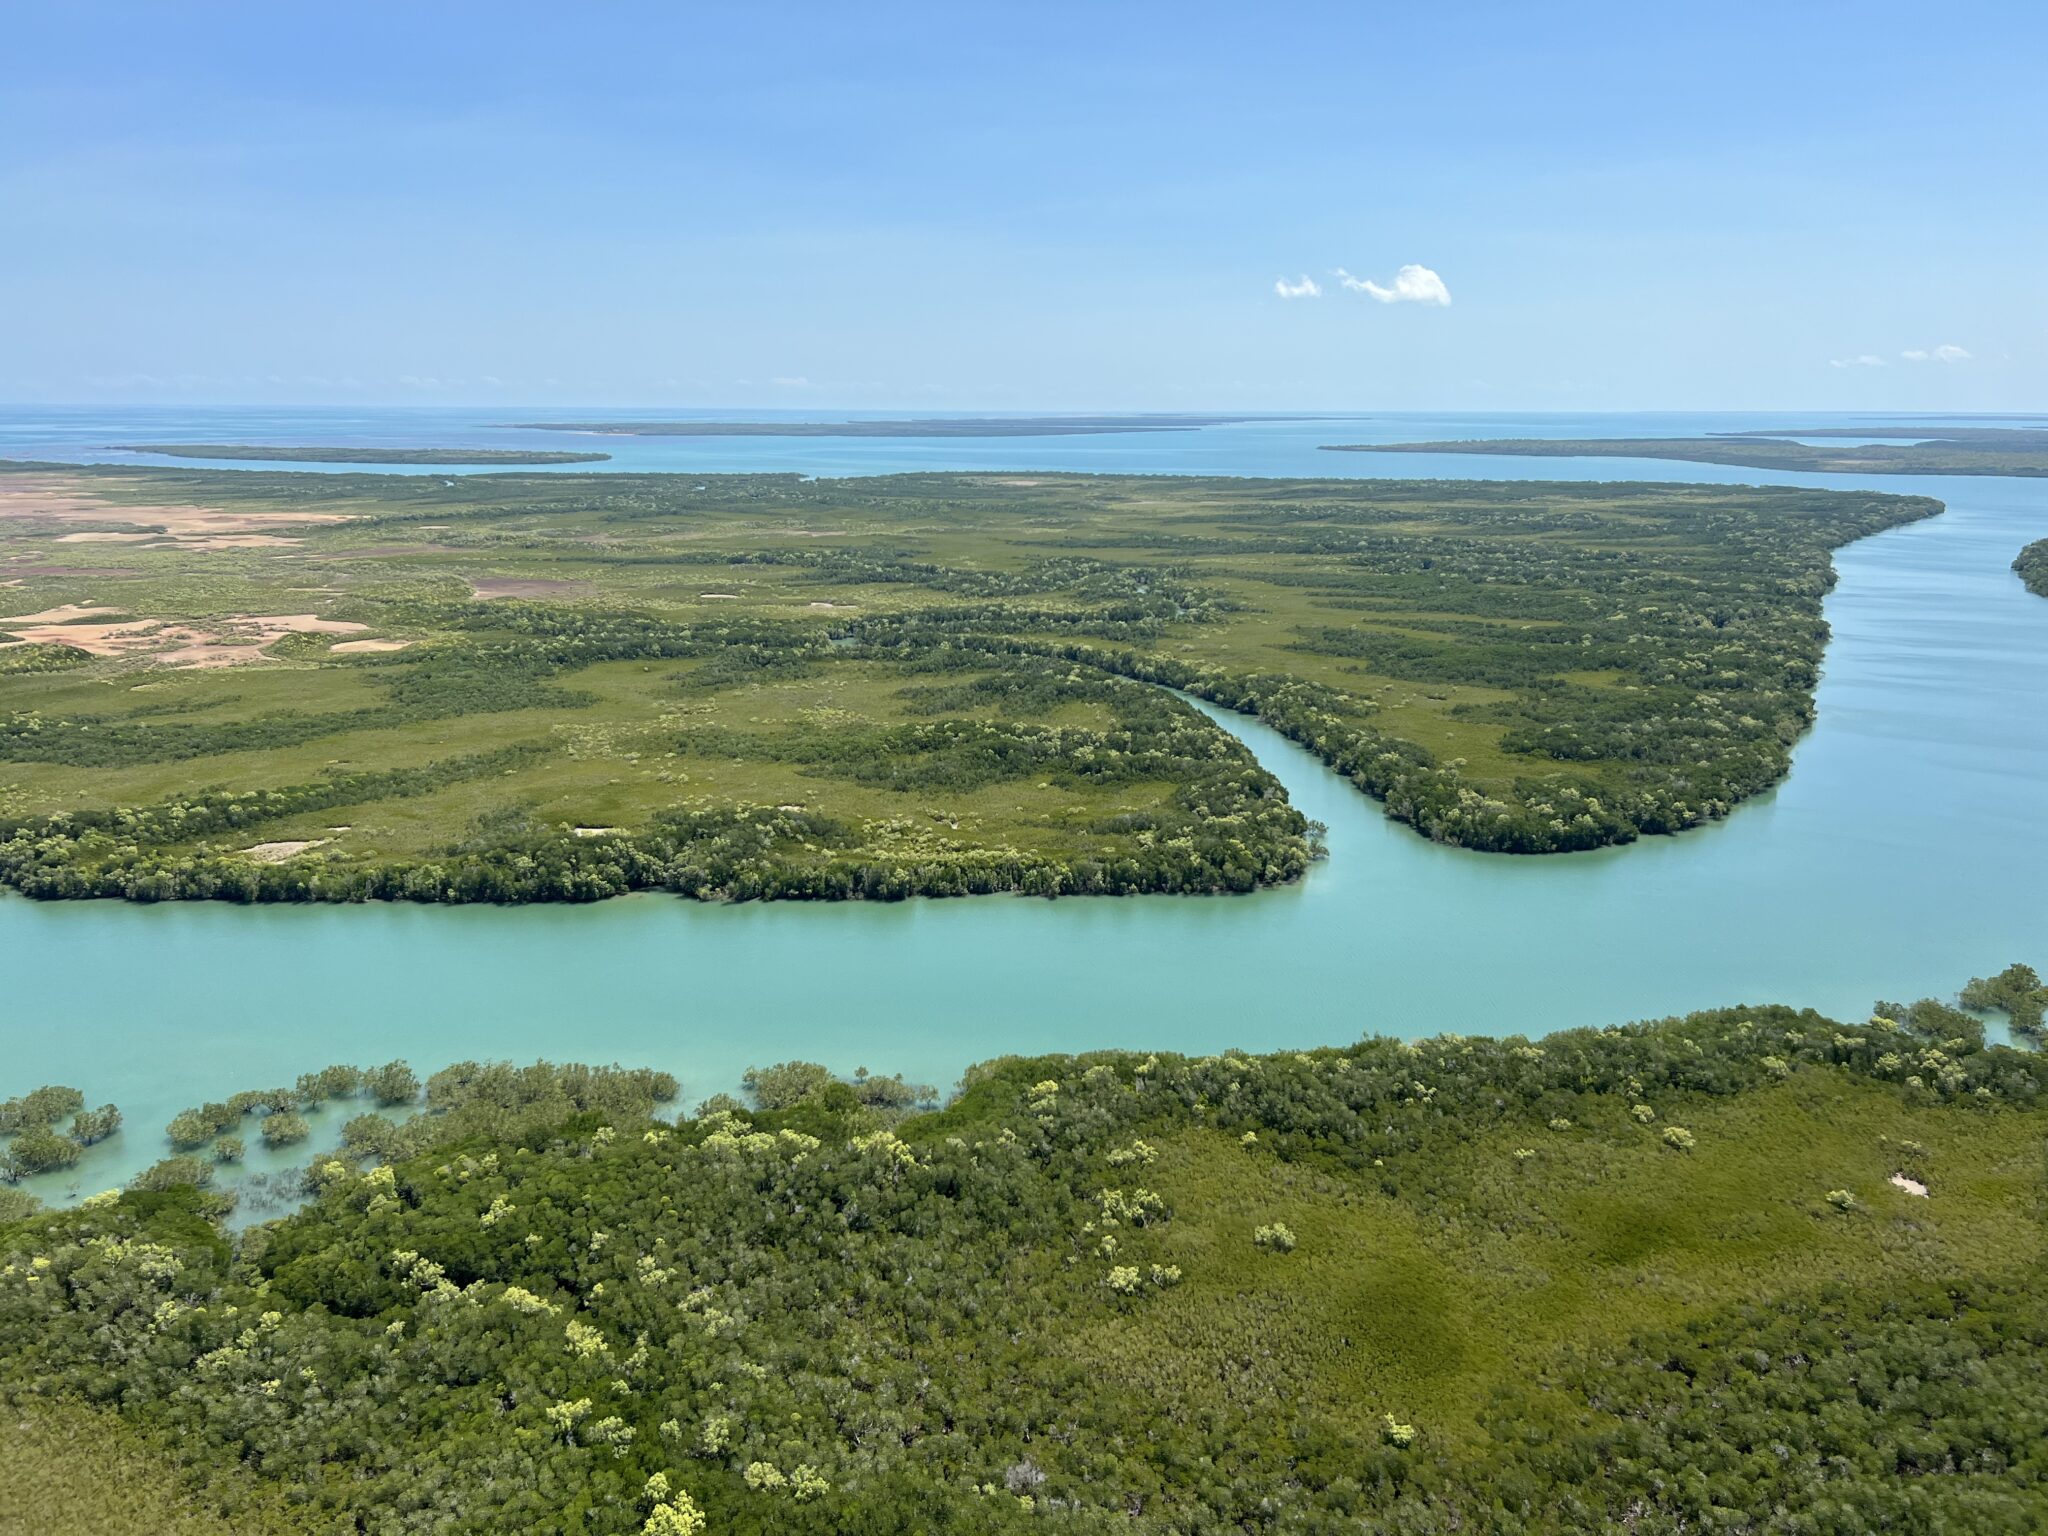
(1903, 855)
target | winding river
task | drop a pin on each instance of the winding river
(1903, 855)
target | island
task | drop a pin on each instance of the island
(1936, 450)
(1745, 1270)
(324, 455)
(563, 687)
(935, 426)
(2032, 566)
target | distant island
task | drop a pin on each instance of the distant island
(2032, 566)
(1935, 451)
(450, 456)
(954, 426)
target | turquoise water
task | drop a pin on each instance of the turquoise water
(1903, 855)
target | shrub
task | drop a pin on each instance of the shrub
(285, 1129)
(38, 1149)
(95, 1125)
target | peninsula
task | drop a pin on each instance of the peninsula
(1928, 451)
(560, 687)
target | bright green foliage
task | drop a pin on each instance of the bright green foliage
(1274, 1237)
(815, 1320)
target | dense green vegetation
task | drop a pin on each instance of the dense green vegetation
(566, 687)
(327, 455)
(1943, 450)
(2032, 566)
(1750, 1271)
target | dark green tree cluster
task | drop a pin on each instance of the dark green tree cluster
(2032, 566)
(2016, 992)
(35, 1145)
(390, 1086)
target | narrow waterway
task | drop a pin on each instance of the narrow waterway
(1903, 855)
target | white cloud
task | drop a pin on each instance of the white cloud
(1861, 360)
(784, 382)
(1413, 284)
(1307, 288)
(1948, 352)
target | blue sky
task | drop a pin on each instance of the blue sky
(965, 206)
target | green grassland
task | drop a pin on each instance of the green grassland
(1945, 451)
(768, 686)
(1754, 1270)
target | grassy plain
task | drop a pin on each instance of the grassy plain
(947, 678)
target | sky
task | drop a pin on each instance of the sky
(1032, 206)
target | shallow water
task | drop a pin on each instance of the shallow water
(1903, 855)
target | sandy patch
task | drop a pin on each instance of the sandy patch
(819, 533)
(352, 647)
(594, 831)
(105, 639)
(1910, 1186)
(484, 588)
(56, 503)
(829, 605)
(277, 853)
(220, 643)
(732, 597)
